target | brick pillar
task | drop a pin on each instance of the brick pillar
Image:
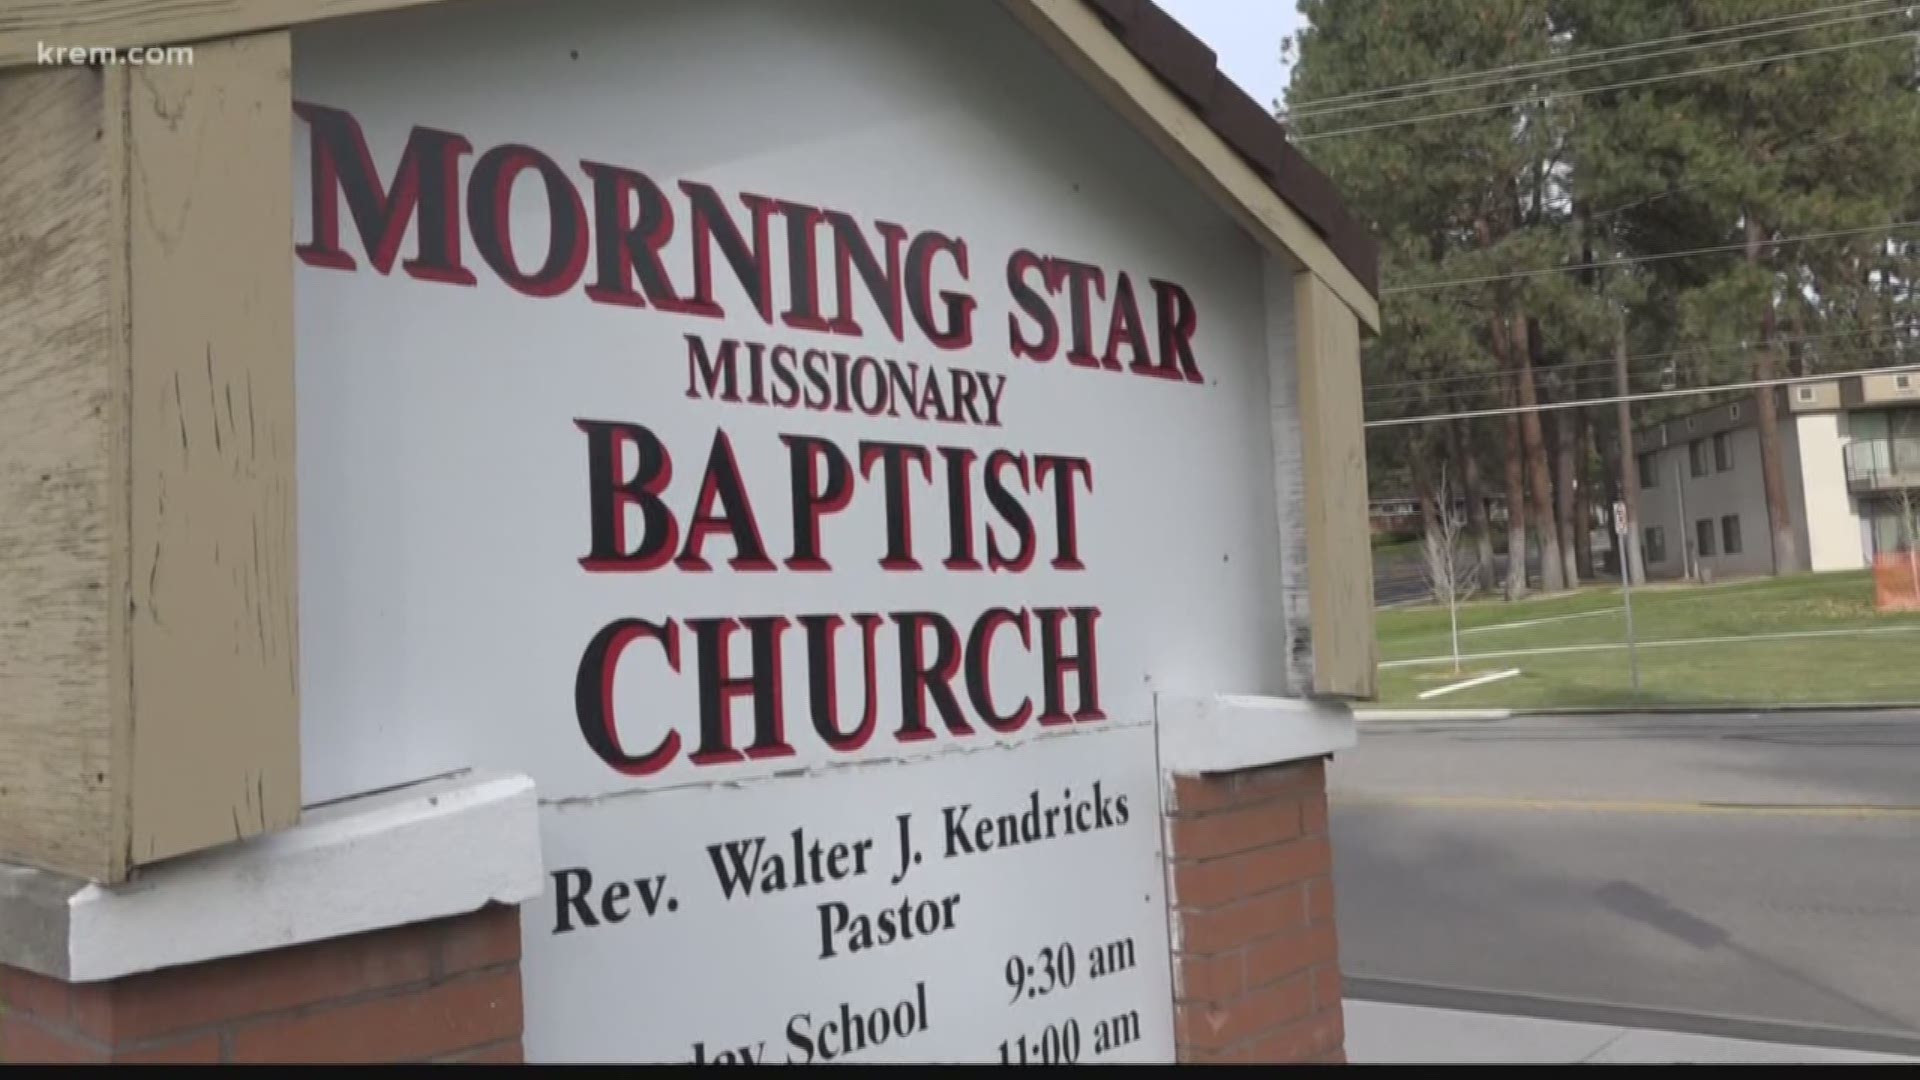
(1256, 958)
(445, 990)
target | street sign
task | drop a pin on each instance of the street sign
(1620, 517)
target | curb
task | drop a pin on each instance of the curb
(1586, 1011)
(1389, 715)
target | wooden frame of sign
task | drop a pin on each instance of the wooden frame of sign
(149, 692)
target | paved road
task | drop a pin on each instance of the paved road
(1735, 865)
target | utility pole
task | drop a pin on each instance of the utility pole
(1685, 530)
(1621, 525)
(1631, 563)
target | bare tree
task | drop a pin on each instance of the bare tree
(1452, 571)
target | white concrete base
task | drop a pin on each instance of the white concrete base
(1217, 733)
(424, 851)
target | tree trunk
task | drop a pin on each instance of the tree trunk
(1422, 469)
(1461, 441)
(1553, 577)
(1582, 495)
(1629, 466)
(1516, 511)
(1773, 477)
(1432, 536)
(1559, 426)
(1511, 459)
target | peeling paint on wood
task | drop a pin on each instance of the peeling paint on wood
(215, 735)
(148, 676)
(1339, 562)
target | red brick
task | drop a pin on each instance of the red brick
(1222, 929)
(90, 1009)
(487, 938)
(1279, 957)
(1313, 815)
(1327, 990)
(1206, 794)
(1311, 1038)
(198, 1049)
(1208, 883)
(185, 998)
(501, 1053)
(1286, 863)
(24, 1042)
(1230, 831)
(453, 1016)
(1193, 795)
(1320, 900)
(1290, 778)
(1211, 978)
(1218, 1027)
(32, 993)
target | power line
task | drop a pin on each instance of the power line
(1633, 259)
(1636, 58)
(1651, 395)
(1683, 351)
(1421, 83)
(1582, 91)
(1600, 380)
(1690, 356)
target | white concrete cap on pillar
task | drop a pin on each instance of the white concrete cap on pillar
(1217, 733)
(428, 850)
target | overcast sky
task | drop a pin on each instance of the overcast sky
(1246, 36)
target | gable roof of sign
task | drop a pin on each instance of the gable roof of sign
(1242, 151)
(1188, 66)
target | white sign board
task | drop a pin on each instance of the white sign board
(977, 907)
(755, 460)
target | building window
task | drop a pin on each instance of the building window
(1697, 457)
(1703, 537)
(1649, 474)
(1656, 544)
(1722, 452)
(1733, 411)
(1804, 394)
(1730, 534)
(1903, 382)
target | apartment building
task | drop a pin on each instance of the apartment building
(1849, 446)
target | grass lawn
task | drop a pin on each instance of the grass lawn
(1875, 667)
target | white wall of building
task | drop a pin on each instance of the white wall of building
(1826, 517)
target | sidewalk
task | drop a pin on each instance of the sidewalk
(1378, 1032)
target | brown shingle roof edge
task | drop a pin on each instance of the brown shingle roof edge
(1187, 65)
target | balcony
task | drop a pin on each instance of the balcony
(1883, 464)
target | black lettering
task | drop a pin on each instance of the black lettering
(922, 678)
(425, 191)
(1067, 536)
(1030, 301)
(722, 484)
(958, 331)
(570, 888)
(893, 458)
(719, 687)
(489, 216)
(1011, 511)
(593, 694)
(1056, 664)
